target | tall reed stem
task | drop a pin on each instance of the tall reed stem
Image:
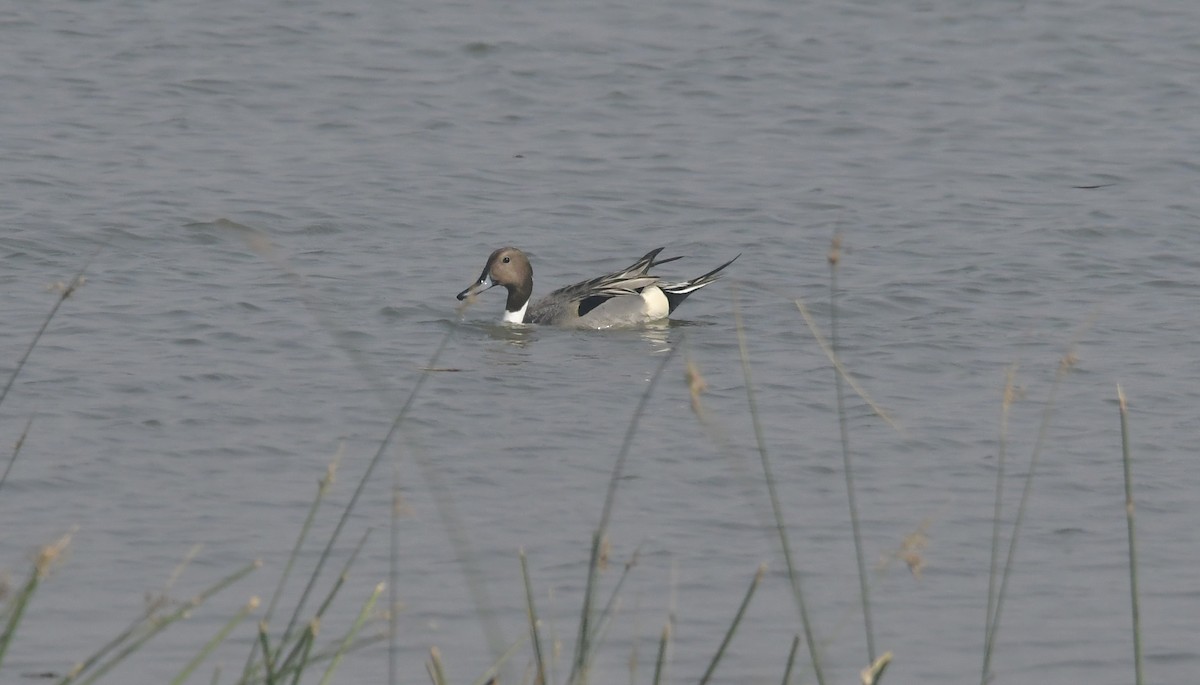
(1001, 460)
(1129, 516)
(847, 466)
(582, 644)
(776, 506)
(1064, 367)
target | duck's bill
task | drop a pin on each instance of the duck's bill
(477, 287)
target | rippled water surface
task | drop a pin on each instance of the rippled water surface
(1009, 180)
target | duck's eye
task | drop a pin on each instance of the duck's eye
(507, 260)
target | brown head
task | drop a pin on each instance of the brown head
(510, 268)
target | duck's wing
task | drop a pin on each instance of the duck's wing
(576, 300)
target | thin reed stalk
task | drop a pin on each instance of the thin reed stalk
(16, 452)
(148, 628)
(434, 666)
(610, 607)
(66, 291)
(260, 243)
(17, 610)
(393, 612)
(217, 639)
(489, 676)
(1129, 516)
(660, 662)
(582, 645)
(353, 633)
(1064, 367)
(791, 660)
(847, 467)
(316, 656)
(533, 622)
(362, 483)
(341, 580)
(323, 486)
(737, 620)
(776, 506)
(464, 554)
(1001, 460)
(874, 672)
(299, 654)
(310, 636)
(269, 655)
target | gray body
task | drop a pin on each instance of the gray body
(628, 297)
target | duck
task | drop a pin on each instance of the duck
(628, 297)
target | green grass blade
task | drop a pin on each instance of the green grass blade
(67, 290)
(16, 452)
(349, 639)
(1001, 460)
(773, 495)
(366, 477)
(582, 644)
(1129, 516)
(661, 661)
(436, 673)
(217, 639)
(46, 558)
(1064, 367)
(489, 676)
(847, 466)
(737, 619)
(322, 490)
(606, 614)
(791, 660)
(341, 580)
(310, 636)
(533, 622)
(152, 626)
(301, 650)
(19, 604)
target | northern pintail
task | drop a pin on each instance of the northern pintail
(627, 297)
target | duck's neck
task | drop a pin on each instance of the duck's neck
(518, 316)
(518, 302)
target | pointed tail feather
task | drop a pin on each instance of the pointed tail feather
(677, 292)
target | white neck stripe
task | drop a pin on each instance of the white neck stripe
(517, 316)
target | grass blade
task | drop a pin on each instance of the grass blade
(1001, 460)
(1129, 516)
(65, 292)
(264, 639)
(151, 626)
(776, 507)
(791, 660)
(349, 639)
(489, 676)
(847, 468)
(737, 619)
(45, 559)
(16, 452)
(322, 490)
(582, 645)
(1064, 367)
(310, 636)
(660, 663)
(217, 639)
(436, 673)
(533, 622)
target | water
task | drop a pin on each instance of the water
(194, 390)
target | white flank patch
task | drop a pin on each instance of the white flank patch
(519, 315)
(655, 303)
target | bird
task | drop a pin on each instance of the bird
(627, 297)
